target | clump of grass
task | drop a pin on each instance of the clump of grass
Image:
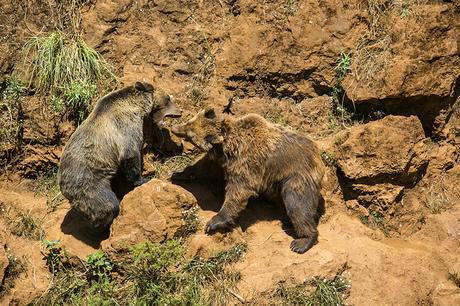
(376, 220)
(16, 266)
(290, 7)
(11, 116)
(22, 224)
(343, 65)
(46, 185)
(438, 201)
(165, 166)
(87, 284)
(190, 225)
(149, 274)
(318, 291)
(342, 68)
(66, 69)
(328, 159)
(206, 69)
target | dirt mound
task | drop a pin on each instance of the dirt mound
(152, 212)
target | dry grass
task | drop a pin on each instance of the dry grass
(164, 167)
(22, 224)
(440, 196)
(47, 185)
(317, 291)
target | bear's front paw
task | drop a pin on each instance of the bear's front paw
(218, 222)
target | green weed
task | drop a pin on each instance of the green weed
(377, 220)
(148, 274)
(343, 65)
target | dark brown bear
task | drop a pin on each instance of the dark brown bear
(105, 151)
(261, 158)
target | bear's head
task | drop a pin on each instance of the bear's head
(162, 105)
(203, 130)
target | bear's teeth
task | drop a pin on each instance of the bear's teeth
(161, 123)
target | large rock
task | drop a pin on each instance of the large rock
(151, 212)
(378, 159)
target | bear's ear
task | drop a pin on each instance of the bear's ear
(142, 86)
(209, 113)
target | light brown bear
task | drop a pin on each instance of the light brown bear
(261, 158)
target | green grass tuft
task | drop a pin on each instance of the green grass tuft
(148, 274)
(65, 68)
(318, 291)
(376, 220)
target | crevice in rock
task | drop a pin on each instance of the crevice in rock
(428, 108)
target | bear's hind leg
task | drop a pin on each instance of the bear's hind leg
(301, 206)
(99, 207)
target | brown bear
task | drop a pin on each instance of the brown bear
(105, 151)
(261, 159)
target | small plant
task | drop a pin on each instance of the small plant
(404, 11)
(376, 220)
(14, 88)
(78, 97)
(207, 67)
(22, 224)
(99, 265)
(328, 159)
(190, 225)
(54, 255)
(343, 65)
(11, 113)
(275, 115)
(290, 7)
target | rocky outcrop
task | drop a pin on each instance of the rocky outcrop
(151, 212)
(377, 160)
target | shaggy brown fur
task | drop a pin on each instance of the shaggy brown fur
(261, 158)
(105, 151)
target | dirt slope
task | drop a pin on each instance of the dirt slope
(392, 201)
